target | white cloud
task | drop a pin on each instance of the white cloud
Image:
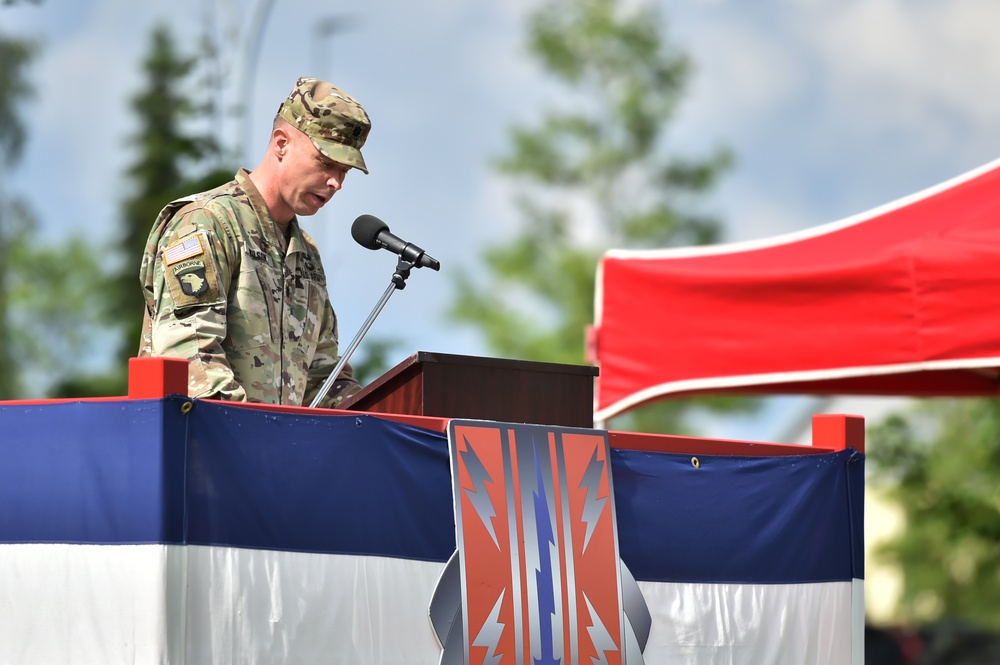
(835, 106)
(911, 65)
(936, 51)
(740, 74)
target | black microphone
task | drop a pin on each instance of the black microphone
(371, 232)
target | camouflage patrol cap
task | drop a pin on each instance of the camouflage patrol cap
(333, 121)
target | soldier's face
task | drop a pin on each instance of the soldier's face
(310, 178)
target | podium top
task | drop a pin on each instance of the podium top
(457, 386)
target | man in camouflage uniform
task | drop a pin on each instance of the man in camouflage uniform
(235, 286)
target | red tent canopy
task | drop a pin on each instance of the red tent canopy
(902, 300)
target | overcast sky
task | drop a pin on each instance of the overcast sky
(832, 107)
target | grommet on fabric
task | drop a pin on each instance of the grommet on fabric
(695, 463)
(186, 407)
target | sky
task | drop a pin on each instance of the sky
(831, 108)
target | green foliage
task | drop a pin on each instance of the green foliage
(15, 55)
(57, 302)
(593, 174)
(14, 88)
(12, 223)
(55, 292)
(942, 464)
(45, 321)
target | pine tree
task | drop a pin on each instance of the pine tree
(15, 56)
(172, 160)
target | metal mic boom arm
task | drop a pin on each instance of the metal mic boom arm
(398, 281)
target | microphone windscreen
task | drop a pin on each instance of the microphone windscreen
(366, 229)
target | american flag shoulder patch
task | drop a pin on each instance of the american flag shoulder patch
(184, 249)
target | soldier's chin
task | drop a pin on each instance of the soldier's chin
(305, 211)
(310, 206)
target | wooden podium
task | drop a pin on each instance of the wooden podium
(454, 386)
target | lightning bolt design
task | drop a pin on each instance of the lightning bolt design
(552, 604)
(599, 636)
(544, 579)
(592, 505)
(489, 634)
(478, 496)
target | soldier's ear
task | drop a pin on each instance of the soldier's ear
(279, 142)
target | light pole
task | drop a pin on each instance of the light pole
(322, 31)
(247, 70)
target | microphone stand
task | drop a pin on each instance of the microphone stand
(398, 281)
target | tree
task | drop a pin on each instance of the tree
(57, 290)
(942, 465)
(599, 165)
(14, 88)
(171, 160)
(47, 291)
(53, 298)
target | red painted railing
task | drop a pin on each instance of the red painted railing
(155, 378)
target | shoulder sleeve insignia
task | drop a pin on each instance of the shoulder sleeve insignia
(185, 249)
(191, 273)
(193, 282)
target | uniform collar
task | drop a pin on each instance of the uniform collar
(295, 241)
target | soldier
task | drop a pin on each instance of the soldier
(235, 286)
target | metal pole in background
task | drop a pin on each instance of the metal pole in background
(324, 29)
(247, 71)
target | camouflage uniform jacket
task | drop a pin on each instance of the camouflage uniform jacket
(247, 308)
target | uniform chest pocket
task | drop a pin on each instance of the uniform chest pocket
(305, 308)
(255, 306)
